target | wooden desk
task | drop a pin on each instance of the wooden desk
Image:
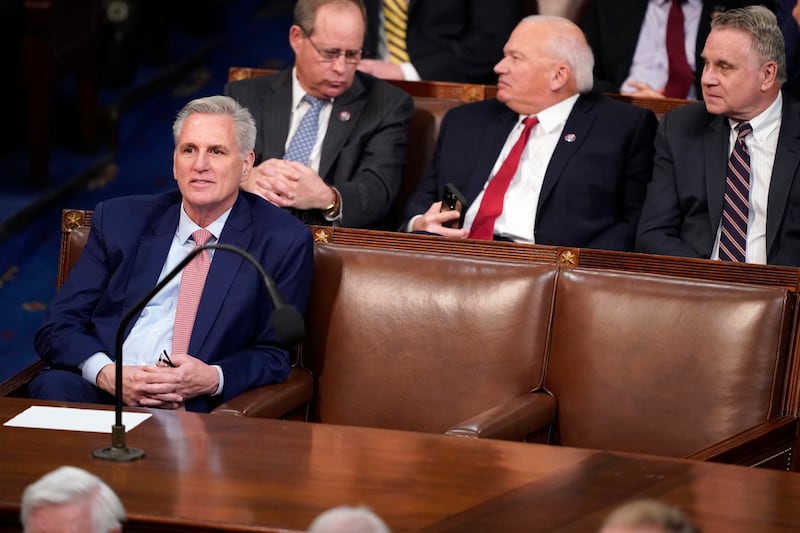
(221, 473)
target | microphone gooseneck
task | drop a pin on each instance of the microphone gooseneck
(286, 321)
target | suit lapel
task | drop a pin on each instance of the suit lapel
(577, 128)
(150, 258)
(344, 117)
(784, 170)
(222, 273)
(276, 114)
(494, 137)
(715, 145)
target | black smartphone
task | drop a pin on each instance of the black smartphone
(453, 200)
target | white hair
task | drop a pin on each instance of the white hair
(347, 519)
(67, 485)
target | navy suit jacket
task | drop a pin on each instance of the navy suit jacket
(451, 40)
(595, 181)
(684, 201)
(612, 29)
(126, 250)
(364, 149)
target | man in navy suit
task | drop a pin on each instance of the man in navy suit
(745, 69)
(583, 173)
(353, 173)
(135, 241)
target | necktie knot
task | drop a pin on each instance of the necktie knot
(743, 130)
(315, 102)
(201, 237)
(530, 122)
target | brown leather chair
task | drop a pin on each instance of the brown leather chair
(404, 339)
(287, 399)
(665, 365)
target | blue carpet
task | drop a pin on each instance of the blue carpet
(252, 33)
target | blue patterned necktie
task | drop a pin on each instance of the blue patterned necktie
(736, 203)
(306, 135)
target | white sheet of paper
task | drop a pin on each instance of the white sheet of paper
(72, 419)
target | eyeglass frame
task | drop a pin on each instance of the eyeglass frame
(331, 55)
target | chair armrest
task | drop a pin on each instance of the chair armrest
(274, 400)
(755, 445)
(513, 420)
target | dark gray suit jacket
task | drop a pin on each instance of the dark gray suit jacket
(684, 200)
(595, 181)
(364, 148)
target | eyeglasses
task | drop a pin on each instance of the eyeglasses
(329, 55)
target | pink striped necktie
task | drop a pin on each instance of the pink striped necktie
(192, 281)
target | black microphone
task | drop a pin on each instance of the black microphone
(286, 321)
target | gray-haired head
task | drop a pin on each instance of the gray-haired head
(347, 519)
(218, 104)
(568, 44)
(70, 485)
(649, 514)
(765, 34)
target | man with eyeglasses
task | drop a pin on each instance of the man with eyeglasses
(331, 140)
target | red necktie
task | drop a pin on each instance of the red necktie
(192, 281)
(492, 203)
(680, 73)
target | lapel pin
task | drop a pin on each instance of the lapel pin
(344, 116)
(570, 137)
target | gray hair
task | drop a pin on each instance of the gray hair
(68, 485)
(765, 35)
(650, 513)
(569, 45)
(218, 104)
(305, 12)
(346, 519)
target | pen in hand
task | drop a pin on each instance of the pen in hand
(164, 358)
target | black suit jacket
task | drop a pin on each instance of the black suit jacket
(593, 187)
(684, 200)
(364, 148)
(451, 40)
(612, 29)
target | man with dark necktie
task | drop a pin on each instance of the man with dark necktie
(725, 179)
(651, 48)
(547, 161)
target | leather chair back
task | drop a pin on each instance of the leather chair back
(421, 341)
(662, 365)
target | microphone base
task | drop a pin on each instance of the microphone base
(118, 451)
(124, 454)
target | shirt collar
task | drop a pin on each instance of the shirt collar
(765, 122)
(297, 91)
(556, 115)
(186, 226)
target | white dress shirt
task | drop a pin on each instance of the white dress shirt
(518, 218)
(650, 63)
(762, 144)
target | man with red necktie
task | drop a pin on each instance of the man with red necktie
(637, 44)
(545, 162)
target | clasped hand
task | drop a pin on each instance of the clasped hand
(160, 385)
(289, 184)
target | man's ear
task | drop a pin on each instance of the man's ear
(296, 36)
(560, 76)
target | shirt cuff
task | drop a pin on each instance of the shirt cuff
(221, 381)
(409, 72)
(93, 365)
